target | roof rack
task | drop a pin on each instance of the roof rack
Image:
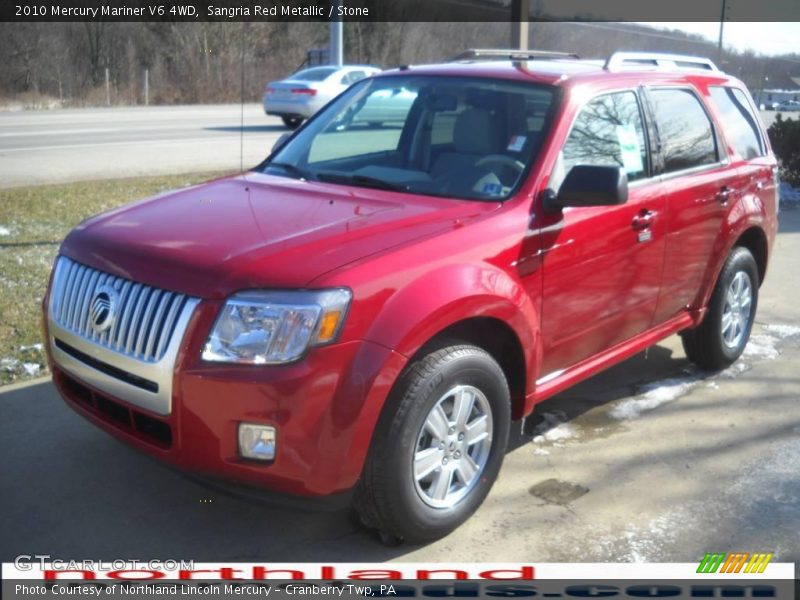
(510, 54)
(621, 60)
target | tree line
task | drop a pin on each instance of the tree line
(66, 63)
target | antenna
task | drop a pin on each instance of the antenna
(241, 110)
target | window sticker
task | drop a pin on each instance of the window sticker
(516, 143)
(629, 148)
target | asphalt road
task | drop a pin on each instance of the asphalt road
(103, 143)
(649, 461)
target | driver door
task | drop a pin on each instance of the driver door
(602, 266)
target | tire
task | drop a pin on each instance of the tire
(292, 122)
(391, 497)
(722, 336)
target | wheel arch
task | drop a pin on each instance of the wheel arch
(500, 341)
(755, 240)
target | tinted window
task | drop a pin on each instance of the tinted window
(739, 123)
(687, 138)
(608, 131)
(315, 74)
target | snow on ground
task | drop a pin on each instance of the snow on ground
(33, 347)
(8, 364)
(653, 395)
(554, 428)
(31, 369)
(762, 346)
(4, 231)
(783, 331)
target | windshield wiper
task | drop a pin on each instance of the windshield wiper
(290, 168)
(362, 180)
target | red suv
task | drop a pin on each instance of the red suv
(436, 251)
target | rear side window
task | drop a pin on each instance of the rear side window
(739, 123)
(608, 131)
(687, 138)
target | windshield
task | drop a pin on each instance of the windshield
(316, 74)
(463, 137)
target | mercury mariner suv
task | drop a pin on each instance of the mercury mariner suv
(436, 251)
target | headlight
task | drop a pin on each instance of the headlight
(275, 327)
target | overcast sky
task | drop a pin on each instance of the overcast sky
(765, 38)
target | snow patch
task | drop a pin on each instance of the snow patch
(762, 346)
(653, 395)
(4, 231)
(34, 347)
(540, 452)
(783, 331)
(8, 364)
(31, 369)
(554, 428)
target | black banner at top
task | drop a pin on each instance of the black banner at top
(399, 10)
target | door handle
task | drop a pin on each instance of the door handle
(725, 194)
(643, 220)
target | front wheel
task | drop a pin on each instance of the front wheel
(292, 122)
(438, 447)
(722, 336)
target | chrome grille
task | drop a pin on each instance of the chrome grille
(146, 317)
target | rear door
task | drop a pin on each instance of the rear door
(602, 265)
(700, 184)
(746, 145)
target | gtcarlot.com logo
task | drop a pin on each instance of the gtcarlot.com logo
(28, 562)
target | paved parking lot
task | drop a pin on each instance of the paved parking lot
(650, 461)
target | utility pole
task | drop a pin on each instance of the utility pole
(108, 89)
(336, 40)
(520, 13)
(147, 87)
(721, 31)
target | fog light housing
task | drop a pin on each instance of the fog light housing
(256, 442)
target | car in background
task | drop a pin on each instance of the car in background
(788, 106)
(303, 93)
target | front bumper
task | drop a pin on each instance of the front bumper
(324, 408)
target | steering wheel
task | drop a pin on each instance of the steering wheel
(502, 159)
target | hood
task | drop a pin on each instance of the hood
(256, 231)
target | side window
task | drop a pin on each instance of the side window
(739, 123)
(687, 138)
(608, 131)
(356, 76)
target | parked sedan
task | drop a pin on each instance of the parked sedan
(303, 93)
(788, 106)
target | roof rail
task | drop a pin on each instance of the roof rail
(620, 60)
(510, 54)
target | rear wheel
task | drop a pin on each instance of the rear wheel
(292, 122)
(722, 336)
(438, 448)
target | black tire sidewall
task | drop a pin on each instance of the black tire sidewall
(292, 122)
(470, 368)
(740, 260)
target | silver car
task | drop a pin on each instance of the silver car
(303, 93)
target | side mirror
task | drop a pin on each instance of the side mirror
(589, 185)
(280, 141)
